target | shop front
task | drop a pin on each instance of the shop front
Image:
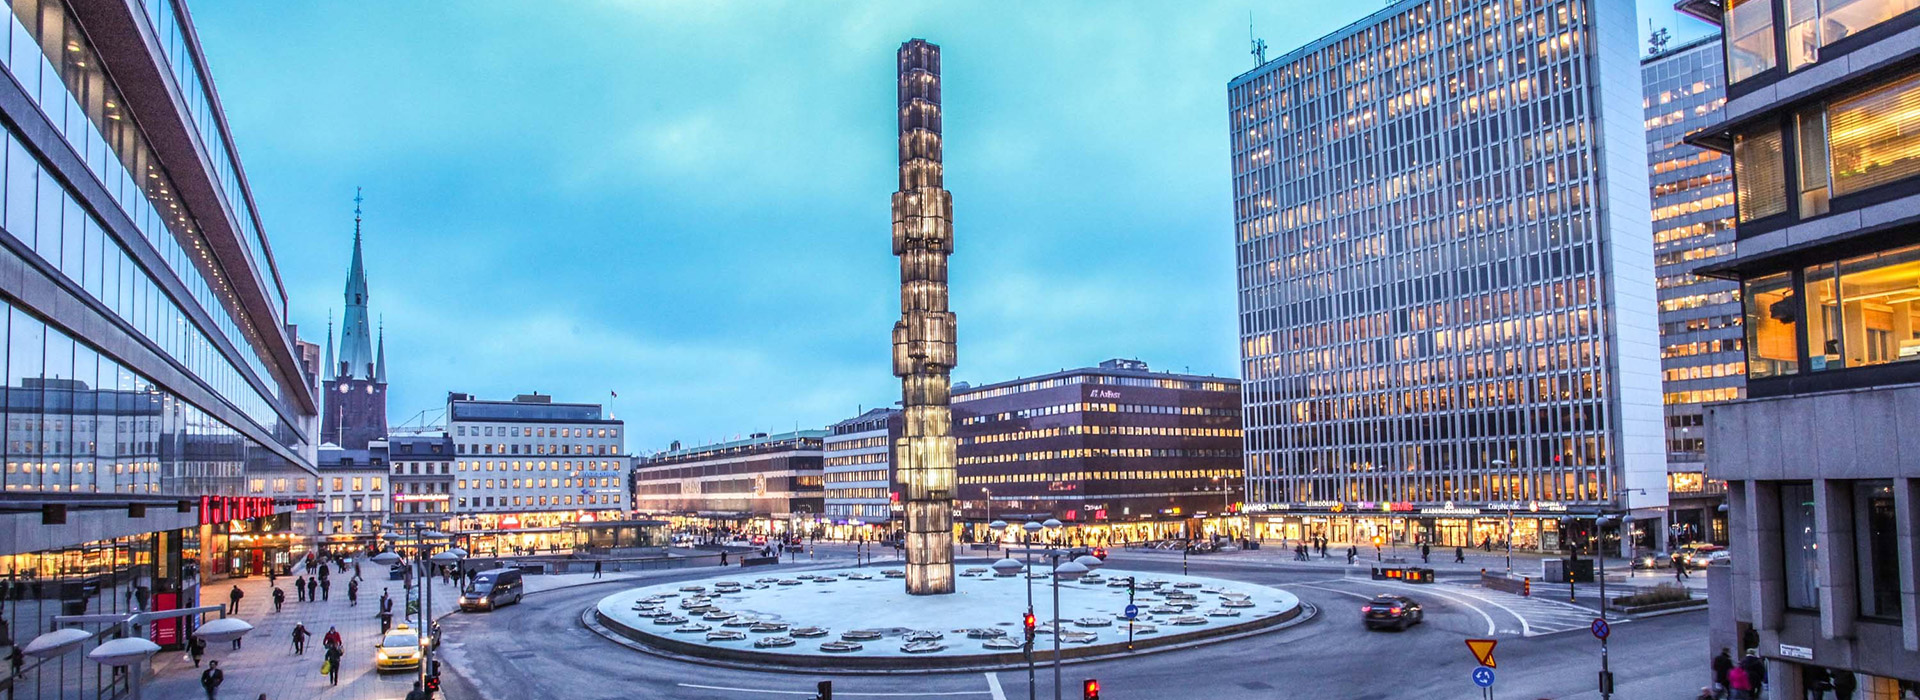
(1531, 526)
(507, 534)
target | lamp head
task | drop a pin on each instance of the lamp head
(1070, 571)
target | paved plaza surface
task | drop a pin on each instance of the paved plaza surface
(542, 650)
(265, 663)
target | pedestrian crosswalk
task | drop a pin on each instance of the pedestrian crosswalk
(1538, 615)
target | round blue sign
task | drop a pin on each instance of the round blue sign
(1483, 677)
(1132, 611)
(1600, 628)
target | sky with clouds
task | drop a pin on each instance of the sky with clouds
(687, 202)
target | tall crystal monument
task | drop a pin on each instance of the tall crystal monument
(923, 347)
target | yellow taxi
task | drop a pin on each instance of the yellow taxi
(401, 648)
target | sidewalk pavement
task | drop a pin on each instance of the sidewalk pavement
(266, 666)
(1524, 563)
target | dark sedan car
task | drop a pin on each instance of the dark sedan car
(1398, 612)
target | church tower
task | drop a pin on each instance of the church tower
(356, 384)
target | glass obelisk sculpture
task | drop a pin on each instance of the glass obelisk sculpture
(923, 347)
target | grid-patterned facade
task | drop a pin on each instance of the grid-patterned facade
(859, 468)
(1700, 356)
(1446, 289)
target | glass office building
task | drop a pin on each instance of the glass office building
(1822, 465)
(1447, 305)
(1700, 357)
(152, 388)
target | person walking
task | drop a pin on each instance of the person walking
(333, 663)
(596, 568)
(353, 593)
(356, 569)
(300, 635)
(1844, 684)
(211, 679)
(1486, 543)
(273, 577)
(196, 648)
(1352, 554)
(1679, 569)
(300, 588)
(233, 598)
(1739, 686)
(1721, 665)
(1459, 554)
(419, 693)
(1425, 552)
(1817, 681)
(326, 589)
(313, 588)
(332, 638)
(279, 598)
(1756, 672)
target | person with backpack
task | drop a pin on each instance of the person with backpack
(233, 598)
(279, 598)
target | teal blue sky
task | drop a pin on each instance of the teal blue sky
(687, 202)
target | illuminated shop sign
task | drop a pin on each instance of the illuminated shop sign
(1104, 394)
(420, 498)
(220, 509)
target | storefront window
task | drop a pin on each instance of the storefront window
(1749, 37)
(1759, 174)
(1799, 546)
(1770, 317)
(1876, 549)
(1875, 137)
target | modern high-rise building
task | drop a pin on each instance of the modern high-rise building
(356, 384)
(153, 389)
(859, 477)
(528, 471)
(1447, 303)
(1821, 460)
(1700, 354)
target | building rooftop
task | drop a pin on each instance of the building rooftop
(758, 442)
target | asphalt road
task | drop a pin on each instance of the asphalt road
(539, 649)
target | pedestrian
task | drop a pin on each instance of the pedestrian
(313, 587)
(212, 678)
(1486, 544)
(386, 621)
(300, 588)
(1817, 681)
(1756, 670)
(386, 601)
(326, 589)
(196, 648)
(596, 568)
(1459, 554)
(300, 635)
(333, 664)
(273, 577)
(1721, 665)
(1425, 551)
(233, 597)
(1739, 686)
(279, 598)
(15, 659)
(418, 693)
(1352, 553)
(356, 569)
(353, 593)
(1844, 684)
(1679, 569)
(331, 638)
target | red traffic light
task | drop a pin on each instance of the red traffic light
(1090, 690)
(1027, 622)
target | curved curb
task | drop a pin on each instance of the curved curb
(672, 649)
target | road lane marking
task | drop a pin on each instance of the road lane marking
(993, 686)
(1525, 629)
(1492, 629)
(837, 693)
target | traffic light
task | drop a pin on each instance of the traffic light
(433, 684)
(1027, 622)
(1378, 540)
(1090, 690)
(826, 690)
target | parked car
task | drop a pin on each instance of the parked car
(1396, 611)
(1653, 560)
(1694, 556)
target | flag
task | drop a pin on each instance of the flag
(616, 394)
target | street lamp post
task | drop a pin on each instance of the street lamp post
(1501, 464)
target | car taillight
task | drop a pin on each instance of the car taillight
(1395, 610)
(1366, 608)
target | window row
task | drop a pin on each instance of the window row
(1854, 312)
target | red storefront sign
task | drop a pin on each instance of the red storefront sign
(166, 632)
(509, 522)
(220, 509)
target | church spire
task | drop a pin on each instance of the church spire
(380, 363)
(326, 371)
(356, 348)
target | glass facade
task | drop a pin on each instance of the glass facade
(1426, 273)
(50, 56)
(1700, 338)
